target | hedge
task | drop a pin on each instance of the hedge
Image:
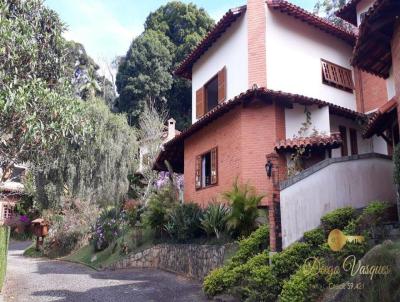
(4, 238)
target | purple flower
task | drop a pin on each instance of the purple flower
(24, 219)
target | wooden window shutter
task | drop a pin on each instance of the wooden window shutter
(214, 166)
(222, 85)
(337, 76)
(198, 172)
(353, 141)
(200, 102)
(343, 134)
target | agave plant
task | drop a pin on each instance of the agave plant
(215, 219)
(244, 202)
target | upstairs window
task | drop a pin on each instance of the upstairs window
(211, 94)
(206, 169)
(337, 76)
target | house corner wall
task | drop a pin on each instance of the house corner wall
(371, 91)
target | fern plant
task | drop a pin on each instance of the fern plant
(215, 219)
(244, 202)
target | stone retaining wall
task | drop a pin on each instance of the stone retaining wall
(194, 261)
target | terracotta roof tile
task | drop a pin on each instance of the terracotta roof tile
(328, 141)
(378, 118)
(312, 19)
(283, 98)
(185, 67)
(348, 12)
(372, 52)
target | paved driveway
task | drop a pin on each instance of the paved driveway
(50, 280)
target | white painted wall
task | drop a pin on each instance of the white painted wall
(379, 145)
(294, 53)
(363, 145)
(350, 183)
(390, 86)
(296, 116)
(229, 50)
(362, 7)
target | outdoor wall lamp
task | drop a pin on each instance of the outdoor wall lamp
(268, 168)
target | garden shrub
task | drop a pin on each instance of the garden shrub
(252, 245)
(244, 202)
(337, 219)
(109, 226)
(70, 229)
(288, 261)
(371, 217)
(4, 239)
(215, 218)
(159, 206)
(304, 285)
(184, 222)
(247, 257)
(315, 237)
(131, 212)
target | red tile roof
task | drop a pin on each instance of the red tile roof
(312, 19)
(328, 141)
(285, 99)
(185, 67)
(348, 12)
(372, 51)
(379, 119)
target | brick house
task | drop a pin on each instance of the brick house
(256, 76)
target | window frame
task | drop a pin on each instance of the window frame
(201, 155)
(336, 84)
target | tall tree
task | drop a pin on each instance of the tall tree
(183, 26)
(327, 9)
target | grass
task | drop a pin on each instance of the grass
(32, 252)
(4, 239)
(98, 260)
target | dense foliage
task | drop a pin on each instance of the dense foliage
(327, 9)
(171, 32)
(215, 218)
(184, 222)
(95, 171)
(70, 227)
(109, 226)
(244, 202)
(37, 110)
(253, 275)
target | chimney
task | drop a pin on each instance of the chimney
(171, 129)
(256, 29)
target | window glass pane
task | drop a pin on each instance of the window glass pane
(212, 93)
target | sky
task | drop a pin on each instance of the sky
(106, 28)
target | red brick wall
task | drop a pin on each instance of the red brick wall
(371, 91)
(256, 29)
(225, 133)
(244, 137)
(396, 57)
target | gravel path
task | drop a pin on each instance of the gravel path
(51, 280)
